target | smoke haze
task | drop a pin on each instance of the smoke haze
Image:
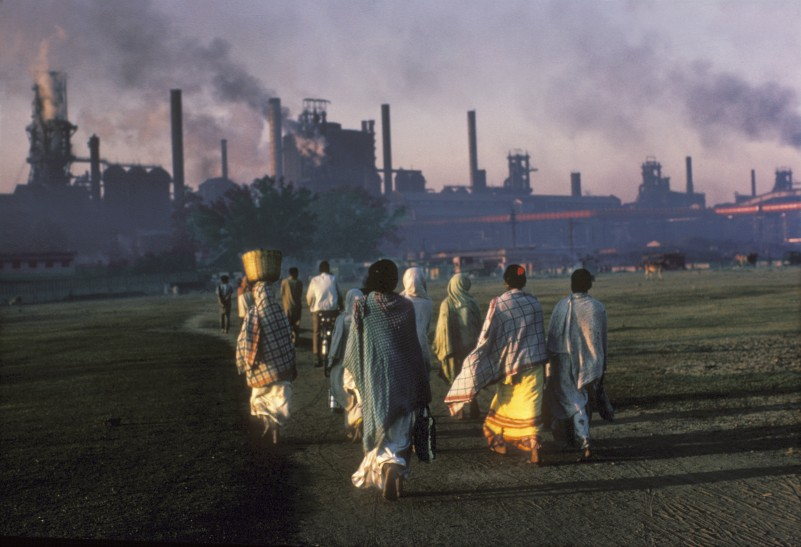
(583, 86)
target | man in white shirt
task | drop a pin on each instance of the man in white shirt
(325, 300)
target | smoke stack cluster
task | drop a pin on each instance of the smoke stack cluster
(387, 141)
(274, 115)
(176, 111)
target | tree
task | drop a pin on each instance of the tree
(353, 224)
(264, 214)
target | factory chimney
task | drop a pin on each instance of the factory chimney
(753, 183)
(575, 184)
(274, 115)
(224, 150)
(177, 146)
(690, 190)
(94, 168)
(473, 149)
(387, 145)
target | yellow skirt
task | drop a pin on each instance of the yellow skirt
(514, 414)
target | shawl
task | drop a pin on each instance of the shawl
(512, 340)
(459, 322)
(264, 350)
(386, 362)
(339, 337)
(578, 328)
(414, 289)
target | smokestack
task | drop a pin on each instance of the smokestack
(387, 140)
(753, 183)
(471, 140)
(575, 184)
(224, 150)
(690, 175)
(94, 167)
(274, 115)
(177, 146)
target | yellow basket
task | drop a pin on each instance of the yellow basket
(262, 265)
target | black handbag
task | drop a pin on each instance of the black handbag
(425, 435)
(599, 401)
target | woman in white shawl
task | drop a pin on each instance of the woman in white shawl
(414, 289)
(342, 385)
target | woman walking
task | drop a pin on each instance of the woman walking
(511, 353)
(458, 327)
(342, 385)
(384, 357)
(414, 288)
(266, 356)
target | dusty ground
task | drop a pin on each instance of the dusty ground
(681, 471)
(688, 466)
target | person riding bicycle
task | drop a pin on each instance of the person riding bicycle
(325, 302)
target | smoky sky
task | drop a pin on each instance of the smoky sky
(545, 71)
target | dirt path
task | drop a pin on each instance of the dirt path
(681, 470)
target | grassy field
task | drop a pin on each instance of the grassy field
(124, 419)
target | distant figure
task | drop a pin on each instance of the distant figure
(511, 354)
(266, 356)
(458, 327)
(292, 300)
(414, 289)
(342, 385)
(325, 300)
(386, 362)
(244, 297)
(652, 269)
(577, 346)
(224, 295)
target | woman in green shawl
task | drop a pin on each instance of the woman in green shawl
(458, 327)
(384, 357)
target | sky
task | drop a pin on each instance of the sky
(595, 87)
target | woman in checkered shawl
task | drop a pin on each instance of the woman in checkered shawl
(384, 357)
(511, 354)
(266, 356)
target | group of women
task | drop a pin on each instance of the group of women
(380, 363)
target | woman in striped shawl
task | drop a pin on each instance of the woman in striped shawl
(384, 357)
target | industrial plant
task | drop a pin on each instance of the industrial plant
(115, 211)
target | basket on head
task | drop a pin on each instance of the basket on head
(262, 265)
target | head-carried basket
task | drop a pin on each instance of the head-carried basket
(262, 265)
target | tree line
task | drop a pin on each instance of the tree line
(342, 223)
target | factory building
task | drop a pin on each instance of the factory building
(126, 208)
(322, 156)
